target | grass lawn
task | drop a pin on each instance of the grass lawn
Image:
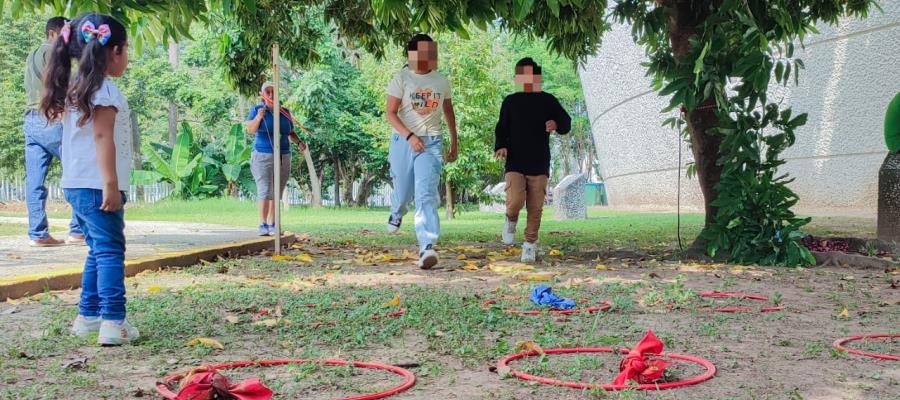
(604, 228)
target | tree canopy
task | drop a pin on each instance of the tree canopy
(697, 49)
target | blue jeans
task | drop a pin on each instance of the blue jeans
(103, 279)
(417, 175)
(42, 142)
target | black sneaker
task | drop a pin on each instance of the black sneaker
(393, 225)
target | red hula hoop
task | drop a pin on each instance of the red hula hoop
(162, 386)
(604, 305)
(710, 370)
(720, 295)
(839, 345)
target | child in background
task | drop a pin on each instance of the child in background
(527, 119)
(96, 163)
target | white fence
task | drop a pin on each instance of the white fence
(13, 190)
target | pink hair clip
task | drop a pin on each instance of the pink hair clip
(66, 32)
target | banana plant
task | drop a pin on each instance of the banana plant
(175, 168)
(237, 156)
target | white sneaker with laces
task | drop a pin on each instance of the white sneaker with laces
(428, 258)
(83, 326)
(509, 232)
(116, 333)
(529, 252)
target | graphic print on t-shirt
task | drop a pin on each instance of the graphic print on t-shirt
(424, 100)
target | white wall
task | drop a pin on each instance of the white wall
(852, 72)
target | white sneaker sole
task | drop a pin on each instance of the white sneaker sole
(391, 229)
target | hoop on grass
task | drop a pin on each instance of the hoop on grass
(164, 386)
(839, 345)
(503, 363)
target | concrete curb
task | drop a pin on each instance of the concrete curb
(70, 278)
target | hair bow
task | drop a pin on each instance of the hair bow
(66, 32)
(102, 32)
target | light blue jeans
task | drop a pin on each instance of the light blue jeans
(417, 176)
(42, 145)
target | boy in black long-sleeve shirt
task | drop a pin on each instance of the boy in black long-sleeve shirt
(527, 119)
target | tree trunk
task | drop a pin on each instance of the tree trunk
(314, 182)
(348, 186)
(365, 188)
(449, 195)
(136, 161)
(337, 182)
(705, 145)
(173, 108)
(889, 199)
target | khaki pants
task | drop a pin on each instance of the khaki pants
(528, 191)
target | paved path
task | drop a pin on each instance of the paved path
(144, 238)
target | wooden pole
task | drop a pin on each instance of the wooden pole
(276, 120)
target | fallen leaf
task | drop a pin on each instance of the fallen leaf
(508, 268)
(302, 257)
(206, 342)
(14, 301)
(11, 310)
(77, 363)
(654, 275)
(395, 302)
(600, 267)
(555, 253)
(271, 322)
(470, 266)
(232, 319)
(538, 276)
(845, 313)
(529, 346)
(154, 289)
(461, 257)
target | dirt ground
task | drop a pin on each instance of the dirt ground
(452, 343)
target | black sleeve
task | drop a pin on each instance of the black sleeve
(562, 118)
(501, 132)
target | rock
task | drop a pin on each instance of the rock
(497, 202)
(568, 198)
(889, 199)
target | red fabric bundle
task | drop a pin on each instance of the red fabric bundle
(206, 383)
(636, 367)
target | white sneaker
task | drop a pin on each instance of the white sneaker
(428, 258)
(509, 232)
(116, 333)
(393, 225)
(83, 326)
(529, 252)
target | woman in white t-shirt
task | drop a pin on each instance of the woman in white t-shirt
(417, 97)
(96, 163)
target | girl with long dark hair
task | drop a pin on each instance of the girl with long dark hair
(96, 162)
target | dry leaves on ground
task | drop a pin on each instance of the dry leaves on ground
(205, 342)
(530, 346)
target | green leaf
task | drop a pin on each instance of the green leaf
(139, 177)
(554, 7)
